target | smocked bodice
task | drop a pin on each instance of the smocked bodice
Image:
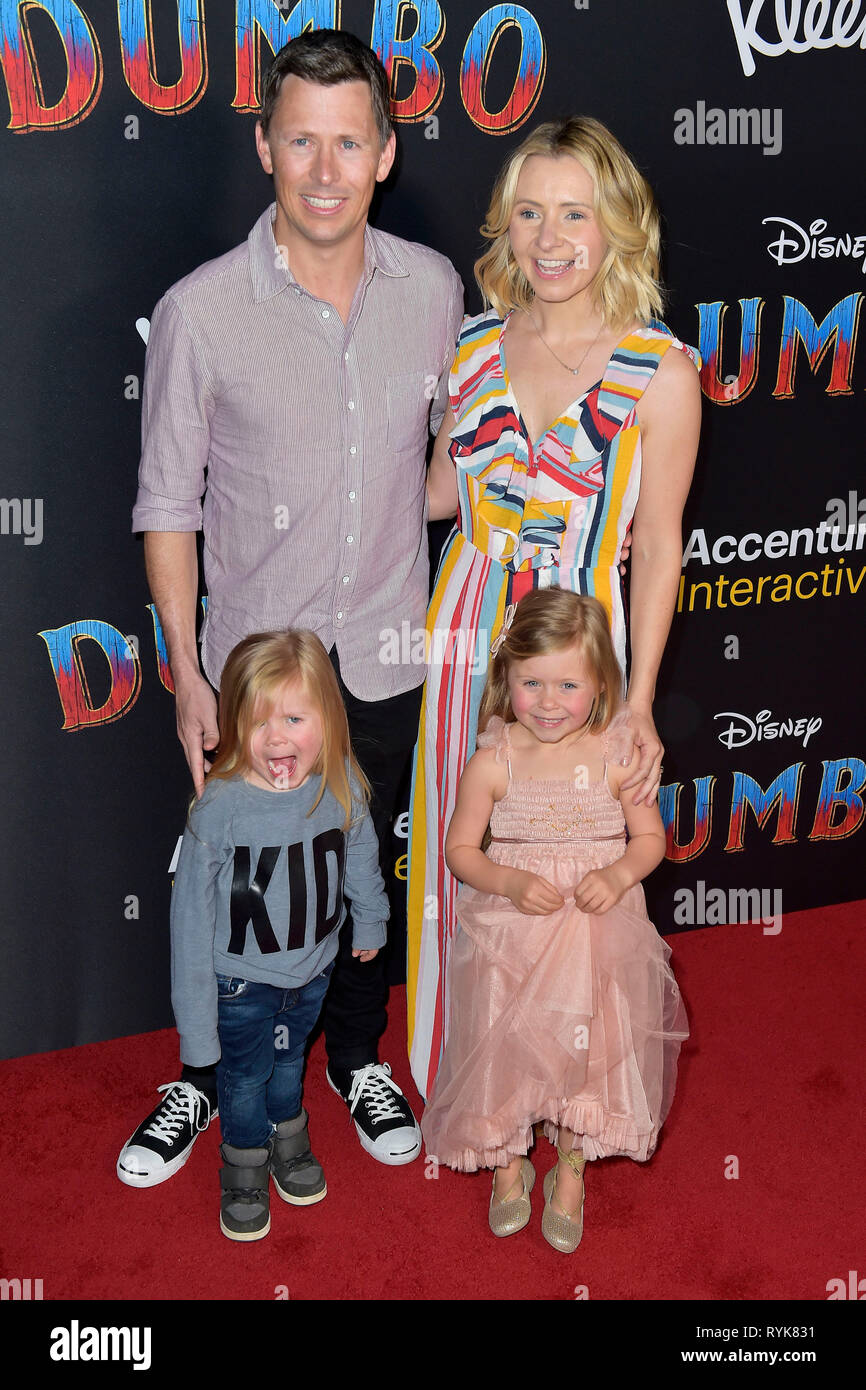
(550, 811)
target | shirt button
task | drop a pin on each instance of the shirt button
(326, 313)
(345, 579)
(351, 496)
(353, 450)
(349, 540)
(339, 615)
(351, 405)
(346, 356)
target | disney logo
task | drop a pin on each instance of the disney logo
(796, 243)
(743, 730)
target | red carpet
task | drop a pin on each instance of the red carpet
(772, 1077)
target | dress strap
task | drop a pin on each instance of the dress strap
(506, 748)
(632, 367)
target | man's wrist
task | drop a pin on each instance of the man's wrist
(185, 673)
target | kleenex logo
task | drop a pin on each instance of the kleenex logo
(847, 28)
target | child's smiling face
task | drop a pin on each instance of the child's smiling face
(286, 739)
(552, 695)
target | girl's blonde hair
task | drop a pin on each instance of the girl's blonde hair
(627, 284)
(254, 673)
(548, 620)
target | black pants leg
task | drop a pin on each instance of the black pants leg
(384, 733)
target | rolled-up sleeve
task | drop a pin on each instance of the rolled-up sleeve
(177, 401)
(455, 318)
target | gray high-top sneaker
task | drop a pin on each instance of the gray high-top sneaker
(245, 1212)
(298, 1176)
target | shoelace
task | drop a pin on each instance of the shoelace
(374, 1086)
(180, 1105)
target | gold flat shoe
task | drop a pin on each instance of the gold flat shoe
(510, 1215)
(561, 1231)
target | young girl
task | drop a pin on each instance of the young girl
(563, 1007)
(280, 832)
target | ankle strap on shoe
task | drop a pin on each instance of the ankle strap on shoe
(576, 1161)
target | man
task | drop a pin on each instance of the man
(298, 369)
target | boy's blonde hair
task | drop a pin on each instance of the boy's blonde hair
(254, 672)
(548, 620)
(627, 284)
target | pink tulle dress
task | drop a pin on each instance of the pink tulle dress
(570, 1019)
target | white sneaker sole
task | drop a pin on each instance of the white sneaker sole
(300, 1201)
(159, 1175)
(391, 1160)
(245, 1235)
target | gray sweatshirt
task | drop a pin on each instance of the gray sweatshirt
(258, 893)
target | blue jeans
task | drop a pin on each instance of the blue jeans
(263, 1031)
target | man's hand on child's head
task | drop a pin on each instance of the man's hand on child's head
(366, 955)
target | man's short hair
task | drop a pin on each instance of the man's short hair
(329, 56)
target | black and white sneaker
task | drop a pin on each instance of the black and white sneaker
(163, 1142)
(383, 1117)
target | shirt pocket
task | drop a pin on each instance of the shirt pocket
(408, 396)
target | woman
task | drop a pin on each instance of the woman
(570, 418)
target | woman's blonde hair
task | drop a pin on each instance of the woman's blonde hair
(627, 284)
(549, 620)
(254, 673)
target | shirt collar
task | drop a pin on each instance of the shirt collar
(270, 276)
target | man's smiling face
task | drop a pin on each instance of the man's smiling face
(324, 152)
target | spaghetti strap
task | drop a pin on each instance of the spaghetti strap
(506, 743)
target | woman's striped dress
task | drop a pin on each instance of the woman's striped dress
(529, 514)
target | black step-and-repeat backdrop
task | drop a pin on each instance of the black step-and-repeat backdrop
(128, 160)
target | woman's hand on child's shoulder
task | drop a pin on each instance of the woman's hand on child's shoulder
(640, 816)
